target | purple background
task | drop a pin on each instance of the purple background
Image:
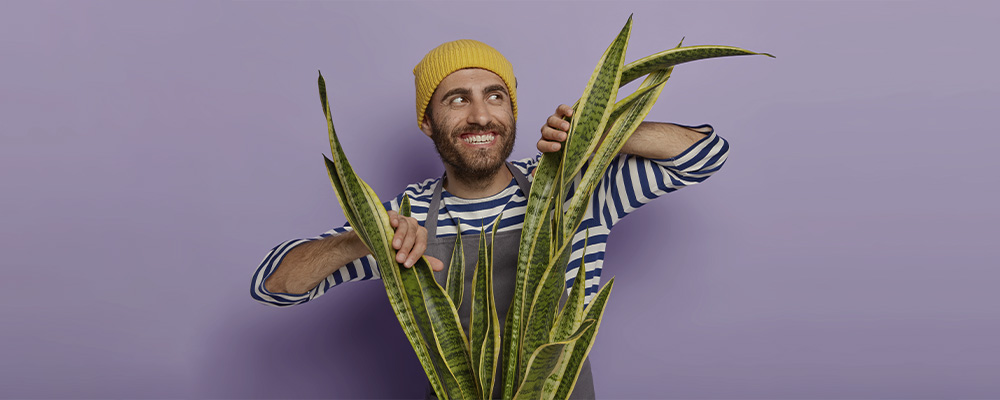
(152, 153)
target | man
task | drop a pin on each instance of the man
(467, 104)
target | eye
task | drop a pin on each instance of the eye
(458, 100)
(495, 96)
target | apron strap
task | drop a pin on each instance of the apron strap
(432, 210)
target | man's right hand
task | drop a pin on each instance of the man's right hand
(556, 130)
(411, 241)
(308, 264)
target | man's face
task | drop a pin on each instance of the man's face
(471, 122)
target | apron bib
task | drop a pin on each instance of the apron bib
(505, 247)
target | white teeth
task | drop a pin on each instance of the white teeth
(480, 139)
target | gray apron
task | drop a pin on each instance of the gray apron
(505, 247)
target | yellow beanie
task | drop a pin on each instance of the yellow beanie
(453, 56)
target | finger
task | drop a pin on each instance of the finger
(564, 111)
(418, 250)
(393, 220)
(548, 133)
(397, 239)
(556, 122)
(408, 241)
(546, 146)
(436, 265)
(419, 246)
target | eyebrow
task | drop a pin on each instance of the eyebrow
(466, 92)
(496, 88)
(452, 92)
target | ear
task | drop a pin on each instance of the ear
(425, 127)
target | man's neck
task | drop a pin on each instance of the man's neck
(479, 188)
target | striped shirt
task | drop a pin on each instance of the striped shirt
(629, 182)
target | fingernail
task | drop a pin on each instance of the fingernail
(396, 243)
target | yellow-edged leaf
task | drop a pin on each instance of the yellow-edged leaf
(544, 360)
(595, 105)
(455, 284)
(582, 346)
(619, 133)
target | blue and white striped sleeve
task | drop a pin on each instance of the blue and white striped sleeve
(361, 269)
(633, 181)
(629, 183)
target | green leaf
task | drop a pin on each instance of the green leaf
(650, 83)
(571, 315)
(423, 320)
(679, 55)
(447, 329)
(484, 326)
(544, 360)
(669, 58)
(456, 271)
(353, 200)
(416, 316)
(422, 310)
(619, 133)
(595, 106)
(534, 246)
(543, 306)
(582, 346)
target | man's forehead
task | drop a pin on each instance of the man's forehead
(463, 77)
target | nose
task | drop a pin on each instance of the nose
(478, 114)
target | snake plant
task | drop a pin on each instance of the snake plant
(543, 346)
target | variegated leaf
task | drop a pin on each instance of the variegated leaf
(484, 325)
(544, 360)
(619, 133)
(543, 307)
(571, 315)
(595, 106)
(369, 219)
(533, 247)
(582, 346)
(448, 332)
(679, 55)
(455, 284)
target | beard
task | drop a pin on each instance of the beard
(477, 165)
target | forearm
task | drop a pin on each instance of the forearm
(308, 264)
(660, 140)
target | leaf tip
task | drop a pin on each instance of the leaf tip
(628, 24)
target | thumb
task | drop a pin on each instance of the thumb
(436, 265)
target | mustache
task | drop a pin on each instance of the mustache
(490, 127)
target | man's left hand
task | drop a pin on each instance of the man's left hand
(555, 130)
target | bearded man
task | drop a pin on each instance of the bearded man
(467, 104)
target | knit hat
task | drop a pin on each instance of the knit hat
(453, 56)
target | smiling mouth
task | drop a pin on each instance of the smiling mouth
(479, 138)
